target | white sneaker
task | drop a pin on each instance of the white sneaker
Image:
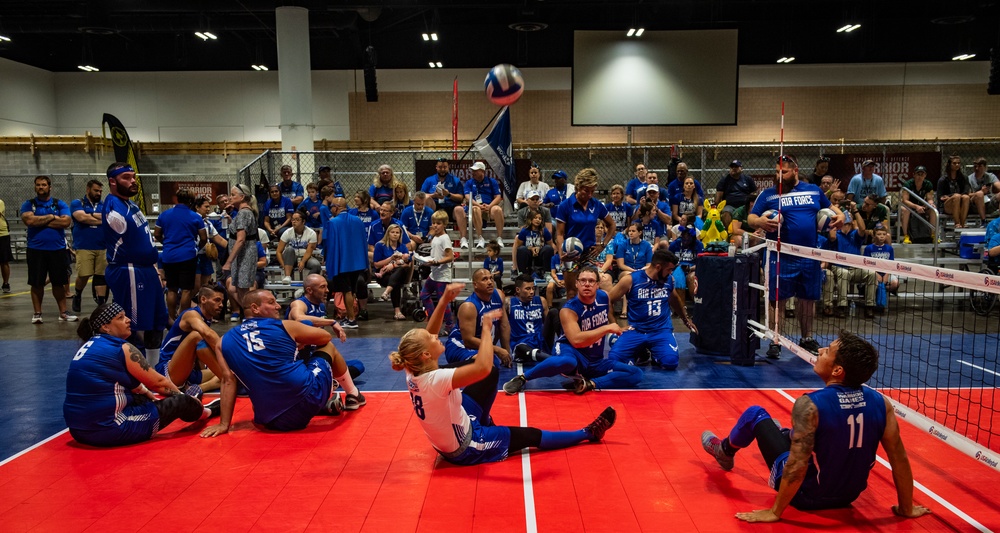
(480, 243)
(287, 280)
(66, 317)
(500, 242)
(464, 244)
(36, 318)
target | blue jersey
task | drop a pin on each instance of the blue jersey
(636, 256)
(653, 230)
(798, 211)
(851, 424)
(557, 265)
(291, 190)
(126, 232)
(534, 239)
(418, 224)
(44, 237)
(649, 303)
(880, 252)
(99, 386)
(262, 355)
(590, 317)
(526, 319)
(366, 216)
(632, 187)
(399, 207)
(383, 251)
(312, 209)
(686, 255)
(580, 221)
(278, 210)
(172, 340)
(346, 248)
(180, 226)
(376, 230)
(87, 236)
(495, 265)
(676, 188)
(381, 194)
(316, 310)
(862, 188)
(495, 302)
(484, 191)
(850, 242)
(451, 184)
(556, 196)
(621, 214)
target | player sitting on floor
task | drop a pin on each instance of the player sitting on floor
(286, 393)
(190, 343)
(526, 314)
(457, 421)
(650, 291)
(579, 351)
(464, 340)
(824, 462)
(107, 399)
(310, 309)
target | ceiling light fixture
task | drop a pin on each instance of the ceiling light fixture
(4, 38)
(88, 68)
(847, 28)
(786, 60)
(433, 36)
(205, 35)
(963, 57)
(639, 32)
(435, 64)
(631, 32)
(258, 67)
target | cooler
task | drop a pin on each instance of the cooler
(967, 244)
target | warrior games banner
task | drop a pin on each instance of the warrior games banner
(895, 168)
(424, 168)
(124, 153)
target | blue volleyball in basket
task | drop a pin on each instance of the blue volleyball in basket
(504, 84)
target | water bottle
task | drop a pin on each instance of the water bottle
(338, 191)
(852, 308)
(732, 249)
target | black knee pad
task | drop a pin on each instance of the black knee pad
(180, 406)
(99, 281)
(324, 356)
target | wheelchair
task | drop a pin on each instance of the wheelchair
(982, 301)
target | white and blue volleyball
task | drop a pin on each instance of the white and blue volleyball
(824, 218)
(504, 84)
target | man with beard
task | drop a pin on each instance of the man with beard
(88, 241)
(131, 274)
(463, 342)
(800, 277)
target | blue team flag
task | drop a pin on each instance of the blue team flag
(497, 149)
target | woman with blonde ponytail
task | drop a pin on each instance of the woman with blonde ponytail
(461, 395)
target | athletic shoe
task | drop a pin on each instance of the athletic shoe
(500, 242)
(841, 311)
(515, 385)
(194, 391)
(584, 386)
(66, 317)
(36, 318)
(363, 314)
(773, 351)
(601, 424)
(287, 280)
(77, 300)
(348, 324)
(810, 344)
(215, 406)
(643, 357)
(6, 288)
(906, 239)
(353, 401)
(464, 244)
(480, 243)
(235, 317)
(522, 353)
(334, 406)
(869, 312)
(713, 445)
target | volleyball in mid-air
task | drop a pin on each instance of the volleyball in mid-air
(504, 84)
(824, 218)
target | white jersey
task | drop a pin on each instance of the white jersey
(440, 245)
(438, 406)
(299, 242)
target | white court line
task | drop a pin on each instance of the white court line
(529, 490)
(919, 486)
(977, 367)
(32, 447)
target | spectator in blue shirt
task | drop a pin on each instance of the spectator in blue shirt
(633, 185)
(866, 183)
(376, 230)
(416, 219)
(400, 199)
(620, 209)
(277, 213)
(676, 186)
(88, 241)
(849, 241)
(485, 199)
(383, 187)
(48, 260)
(182, 232)
(577, 217)
(290, 189)
(560, 191)
(311, 205)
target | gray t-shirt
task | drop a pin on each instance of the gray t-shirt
(522, 213)
(978, 183)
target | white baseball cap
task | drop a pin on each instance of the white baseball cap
(478, 165)
(534, 193)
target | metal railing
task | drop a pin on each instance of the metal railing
(935, 228)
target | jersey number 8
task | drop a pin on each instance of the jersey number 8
(418, 406)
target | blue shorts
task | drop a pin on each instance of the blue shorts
(142, 421)
(661, 344)
(137, 289)
(317, 393)
(488, 444)
(800, 277)
(206, 266)
(455, 351)
(680, 278)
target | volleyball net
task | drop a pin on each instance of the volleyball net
(938, 337)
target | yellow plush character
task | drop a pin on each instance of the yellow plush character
(713, 230)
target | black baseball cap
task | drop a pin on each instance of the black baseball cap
(920, 168)
(322, 168)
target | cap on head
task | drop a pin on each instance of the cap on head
(534, 193)
(478, 165)
(736, 163)
(323, 168)
(653, 188)
(868, 163)
(560, 175)
(920, 169)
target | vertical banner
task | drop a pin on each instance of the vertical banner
(498, 151)
(124, 152)
(454, 119)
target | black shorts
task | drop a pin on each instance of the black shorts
(48, 264)
(181, 275)
(346, 282)
(6, 256)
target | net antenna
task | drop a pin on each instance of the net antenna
(778, 314)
